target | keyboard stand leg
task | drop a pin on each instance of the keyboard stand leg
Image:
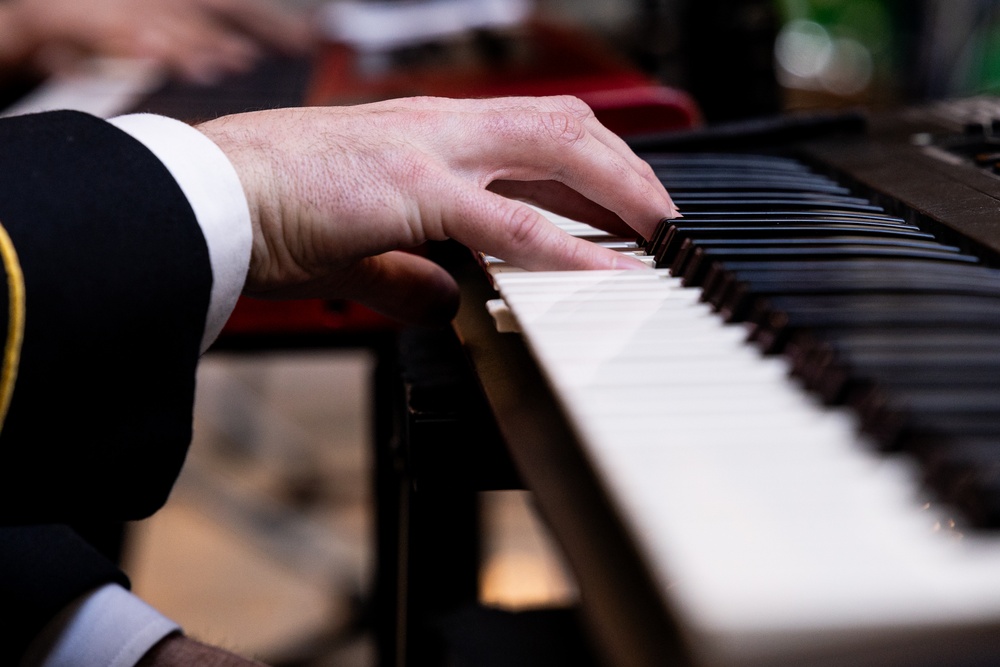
(428, 474)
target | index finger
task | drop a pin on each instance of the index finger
(560, 103)
(268, 22)
(601, 133)
(555, 144)
(518, 108)
(519, 234)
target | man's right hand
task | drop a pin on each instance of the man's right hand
(333, 192)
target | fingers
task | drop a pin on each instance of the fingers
(559, 198)
(616, 143)
(203, 39)
(398, 284)
(199, 40)
(570, 154)
(329, 187)
(406, 287)
(520, 235)
(557, 142)
(267, 22)
(196, 48)
(583, 113)
(531, 138)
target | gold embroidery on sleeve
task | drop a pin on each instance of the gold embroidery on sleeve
(15, 321)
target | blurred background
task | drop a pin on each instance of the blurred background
(737, 58)
(268, 544)
(749, 57)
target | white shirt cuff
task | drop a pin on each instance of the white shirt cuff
(212, 186)
(108, 627)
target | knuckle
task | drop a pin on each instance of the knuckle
(564, 127)
(574, 105)
(521, 225)
(418, 169)
(647, 171)
(577, 255)
(415, 169)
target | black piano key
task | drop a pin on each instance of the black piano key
(735, 298)
(707, 172)
(801, 218)
(659, 234)
(770, 245)
(851, 377)
(724, 173)
(670, 226)
(739, 216)
(703, 258)
(813, 352)
(859, 264)
(675, 236)
(906, 419)
(906, 309)
(865, 272)
(870, 310)
(784, 205)
(687, 161)
(745, 218)
(817, 241)
(695, 184)
(978, 495)
(670, 242)
(729, 196)
(774, 323)
(914, 340)
(965, 473)
(719, 276)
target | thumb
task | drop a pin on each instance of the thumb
(403, 286)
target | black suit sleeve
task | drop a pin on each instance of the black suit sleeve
(106, 288)
(42, 569)
(116, 288)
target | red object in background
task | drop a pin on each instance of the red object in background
(253, 316)
(643, 109)
(539, 60)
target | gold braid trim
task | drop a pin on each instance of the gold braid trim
(15, 322)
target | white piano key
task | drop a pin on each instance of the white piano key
(767, 519)
(773, 528)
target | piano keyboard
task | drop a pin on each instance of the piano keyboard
(104, 87)
(795, 414)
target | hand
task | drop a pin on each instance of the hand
(197, 40)
(179, 651)
(334, 191)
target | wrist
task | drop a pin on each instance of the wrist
(252, 158)
(176, 650)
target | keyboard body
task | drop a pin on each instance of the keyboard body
(714, 510)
